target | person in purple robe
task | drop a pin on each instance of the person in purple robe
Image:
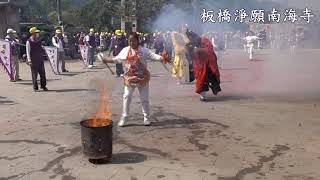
(35, 58)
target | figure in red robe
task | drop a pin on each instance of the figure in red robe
(205, 65)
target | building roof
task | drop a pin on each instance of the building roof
(4, 2)
(18, 3)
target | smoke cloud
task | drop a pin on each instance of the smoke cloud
(278, 71)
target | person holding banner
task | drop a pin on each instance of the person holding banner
(35, 58)
(90, 42)
(12, 38)
(59, 42)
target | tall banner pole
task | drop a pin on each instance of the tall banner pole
(6, 58)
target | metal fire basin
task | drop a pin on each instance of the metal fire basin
(96, 141)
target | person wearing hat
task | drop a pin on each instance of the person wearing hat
(90, 41)
(35, 58)
(117, 44)
(12, 38)
(59, 42)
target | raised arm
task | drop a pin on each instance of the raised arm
(122, 56)
(153, 56)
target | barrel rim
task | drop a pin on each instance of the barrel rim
(83, 124)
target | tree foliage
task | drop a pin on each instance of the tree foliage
(98, 13)
(106, 14)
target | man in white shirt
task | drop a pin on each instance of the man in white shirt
(250, 39)
(12, 38)
(59, 42)
(90, 41)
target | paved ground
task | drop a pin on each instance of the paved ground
(265, 124)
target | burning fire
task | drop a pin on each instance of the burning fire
(103, 114)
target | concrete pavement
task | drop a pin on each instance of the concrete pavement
(260, 127)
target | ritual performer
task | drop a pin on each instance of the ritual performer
(250, 39)
(90, 41)
(180, 67)
(205, 66)
(35, 58)
(117, 44)
(12, 38)
(59, 41)
(137, 75)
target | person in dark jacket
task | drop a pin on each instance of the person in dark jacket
(159, 43)
(35, 58)
(117, 44)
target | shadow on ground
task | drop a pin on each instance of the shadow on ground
(122, 158)
(229, 98)
(5, 101)
(71, 73)
(72, 90)
(29, 82)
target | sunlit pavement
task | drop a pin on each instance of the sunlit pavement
(264, 125)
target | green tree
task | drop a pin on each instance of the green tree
(98, 13)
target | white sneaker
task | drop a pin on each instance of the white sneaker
(90, 66)
(122, 122)
(147, 122)
(203, 96)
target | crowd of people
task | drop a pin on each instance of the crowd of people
(171, 42)
(189, 49)
(192, 57)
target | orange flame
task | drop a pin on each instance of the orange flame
(102, 117)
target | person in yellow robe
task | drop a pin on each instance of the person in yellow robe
(180, 67)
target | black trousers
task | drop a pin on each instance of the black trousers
(119, 69)
(212, 83)
(35, 70)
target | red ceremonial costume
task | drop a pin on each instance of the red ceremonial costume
(206, 69)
